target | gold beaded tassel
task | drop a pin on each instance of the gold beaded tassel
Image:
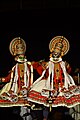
(50, 101)
(50, 105)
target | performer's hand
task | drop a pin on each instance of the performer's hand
(3, 79)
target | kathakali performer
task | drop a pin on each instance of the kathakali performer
(55, 87)
(19, 80)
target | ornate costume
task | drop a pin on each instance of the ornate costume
(19, 80)
(55, 87)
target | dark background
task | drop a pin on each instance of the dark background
(37, 22)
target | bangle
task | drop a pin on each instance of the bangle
(0, 79)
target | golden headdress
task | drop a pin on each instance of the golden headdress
(59, 42)
(14, 43)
